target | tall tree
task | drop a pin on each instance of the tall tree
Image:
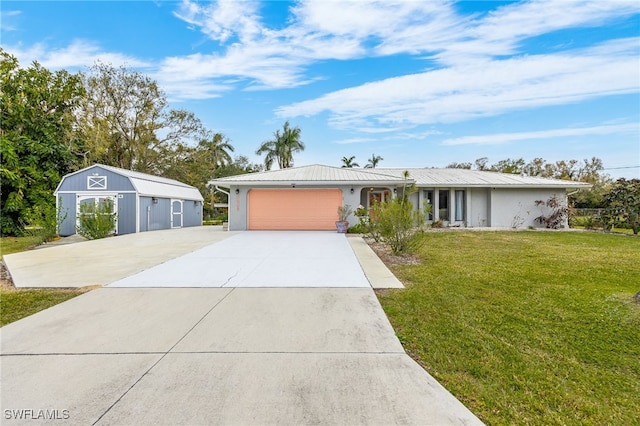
(455, 165)
(515, 166)
(373, 161)
(349, 162)
(125, 121)
(35, 138)
(216, 150)
(282, 147)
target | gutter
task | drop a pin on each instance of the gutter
(217, 188)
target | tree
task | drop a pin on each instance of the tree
(481, 163)
(282, 147)
(35, 138)
(349, 162)
(216, 150)
(455, 165)
(373, 161)
(125, 122)
(622, 205)
(509, 166)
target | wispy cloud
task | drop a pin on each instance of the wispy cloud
(502, 138)
(482, 88)
(353, 141)
(6, 18)
(79, 54)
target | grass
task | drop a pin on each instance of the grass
(10, 245)
(526, 327)
(19, 303)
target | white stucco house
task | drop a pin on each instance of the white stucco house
(307, 197)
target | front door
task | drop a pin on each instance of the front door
(176, 213)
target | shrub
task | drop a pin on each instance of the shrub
(396, 223)
(43, 222)
(358, 229)
(557, 214)
(96, 221)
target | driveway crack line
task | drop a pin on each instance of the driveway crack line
(162, 357)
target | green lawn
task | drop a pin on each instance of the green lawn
(527, 327)
(17, 304)
(10, 245)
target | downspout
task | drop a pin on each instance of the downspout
(221, 190)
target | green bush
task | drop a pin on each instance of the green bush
(358, 229)
(43, 222)
(97, 221)
(397, 224)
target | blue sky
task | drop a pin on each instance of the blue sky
(420, 83)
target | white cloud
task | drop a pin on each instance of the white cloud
(353, 141)
(502, 138)
(6, 18)
(79, 54)
(482, 88)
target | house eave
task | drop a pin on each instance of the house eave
(307, 183)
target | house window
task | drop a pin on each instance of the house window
(443, 204)
(428, 201)
(96, 182)
(460, 205)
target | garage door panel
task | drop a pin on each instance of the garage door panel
(294, 209)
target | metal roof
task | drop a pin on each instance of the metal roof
(425, 177)
(150, 185)
(315, 175)
(318, 175)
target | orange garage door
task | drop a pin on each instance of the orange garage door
(312, 209)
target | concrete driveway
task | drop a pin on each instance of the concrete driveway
(205, 355)
(260, 259)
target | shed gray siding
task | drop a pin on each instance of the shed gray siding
(126, 213)
(192, 213)
(78, 182)
(67, 214)
(154, 217)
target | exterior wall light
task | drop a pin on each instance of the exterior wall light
(352, 190)
(154, 200)
(237, 191)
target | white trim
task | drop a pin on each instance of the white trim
(97, 183)
(85, 196)
(173, 200)
(93, 192)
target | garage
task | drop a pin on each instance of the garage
(293, 209)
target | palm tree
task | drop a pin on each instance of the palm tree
(373, 161)
(349, 162)
(216, 150)
(282, 147)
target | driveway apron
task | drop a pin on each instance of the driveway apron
(247, 352)
(260, 259)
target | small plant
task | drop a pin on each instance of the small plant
(343, 218)
(358, 229)
(558, 214)
(96, 221)
(437, 224)
(344, 212)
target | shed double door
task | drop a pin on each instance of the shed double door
(97, 201)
